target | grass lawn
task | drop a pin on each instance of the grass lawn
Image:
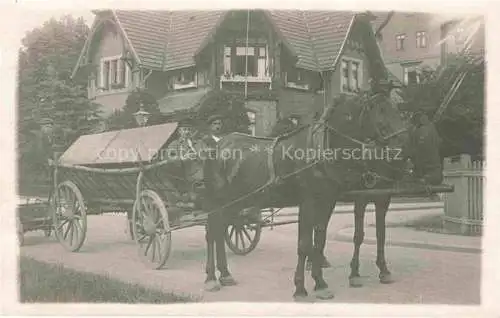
(41, 282)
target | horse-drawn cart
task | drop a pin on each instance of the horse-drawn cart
(127, 171)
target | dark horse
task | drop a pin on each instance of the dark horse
(318, 179)
(421, 144)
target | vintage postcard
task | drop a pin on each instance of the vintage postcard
(319, 160)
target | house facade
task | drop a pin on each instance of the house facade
(285, 63)
(411, 41)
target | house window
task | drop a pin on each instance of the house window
(295, 78)
(251, 119)
(460, 36)
(400, 42)
(185, 79)
(113, 74)
(421, 39)
(411, 75)
(351, 74)
(239, 60)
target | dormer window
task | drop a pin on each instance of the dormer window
(295, 78)
(243, 63)
(113, 74)
(185, 79)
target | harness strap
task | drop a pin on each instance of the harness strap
(270, 161)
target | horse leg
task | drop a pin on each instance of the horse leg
(381, 207)
(225, 278)
(322, 215)
(359, 234)
(319, 241)
(304, 247)
(211, 283)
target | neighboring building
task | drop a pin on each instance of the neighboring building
(296, 60)
(411, 41)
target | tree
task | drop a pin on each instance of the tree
(462, 123)
(45, 89)
(231, 105)
(124, 118)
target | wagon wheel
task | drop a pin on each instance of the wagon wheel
(243, 234)
(151, 228)
(69, 216)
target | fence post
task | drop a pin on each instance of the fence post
(460, 215)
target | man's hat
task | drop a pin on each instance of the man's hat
(214, 118)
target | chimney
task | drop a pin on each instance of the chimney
(445, 29)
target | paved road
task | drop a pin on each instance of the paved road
(423, 276)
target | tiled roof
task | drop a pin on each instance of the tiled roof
(167, 40)
(147, 30)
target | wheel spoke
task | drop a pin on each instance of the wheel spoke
(148, 246)
(62, 224)
(231, 233)
(153, 247)
(67, 230)
(240, 233)
(71, 232)
(246, 234)
(237, 240)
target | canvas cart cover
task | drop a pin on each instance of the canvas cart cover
(119, 147)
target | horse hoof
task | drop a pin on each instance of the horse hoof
(386, 278)
(228, 281)
(212, 286)
(302, 298)
(324, 294)
(355, 282)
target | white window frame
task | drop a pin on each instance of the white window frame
(252, 118)
(350, 61)
(410, 68)
(180, 85)
(400, 38)
(421, 38)
(126, 73)
(263, 76)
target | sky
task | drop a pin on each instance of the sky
(32, 18)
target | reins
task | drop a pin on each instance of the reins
(314, 126)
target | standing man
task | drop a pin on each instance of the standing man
(210, 141)
(427, 159)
